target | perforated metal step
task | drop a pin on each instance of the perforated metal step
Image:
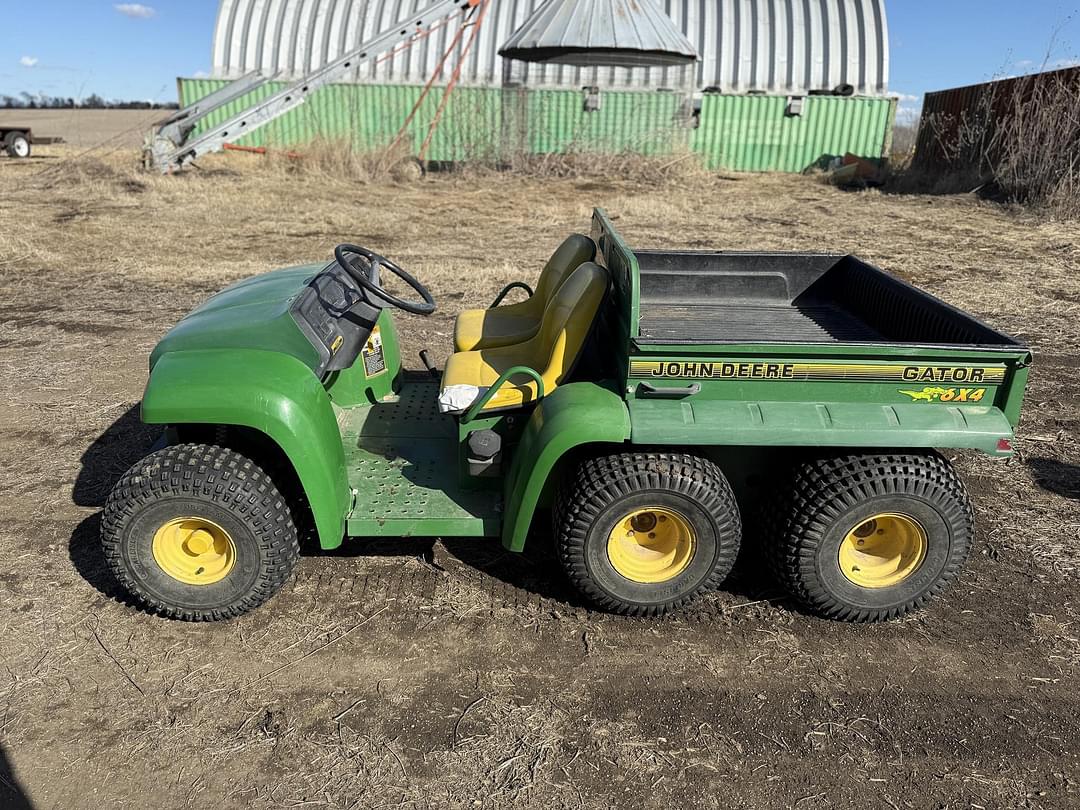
(402, 461)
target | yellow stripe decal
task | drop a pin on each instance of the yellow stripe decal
(827, 372)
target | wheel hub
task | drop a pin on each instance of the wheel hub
(883, 550)
(194, 550)
(651, 545)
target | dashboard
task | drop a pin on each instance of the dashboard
(336, 316)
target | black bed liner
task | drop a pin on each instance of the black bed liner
(734, 297)
(753, 323)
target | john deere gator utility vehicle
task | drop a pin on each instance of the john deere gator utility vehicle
(650, 398)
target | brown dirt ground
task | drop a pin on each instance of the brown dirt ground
(450, 674)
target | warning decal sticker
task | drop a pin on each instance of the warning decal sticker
(374, 361)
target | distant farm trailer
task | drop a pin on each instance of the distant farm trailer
(957, 127)
(15, 141)
(735, 132)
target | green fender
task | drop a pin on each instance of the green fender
(271, 392)
(570, 416)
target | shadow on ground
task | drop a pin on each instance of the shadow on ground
(535, 570)
(1058, 477)
(12, 796)
(84, 550)
(123, 443)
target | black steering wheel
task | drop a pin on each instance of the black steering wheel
(368, 278)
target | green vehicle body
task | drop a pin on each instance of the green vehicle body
(375, 458)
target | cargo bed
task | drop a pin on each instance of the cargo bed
(710, 297)
(801, 349)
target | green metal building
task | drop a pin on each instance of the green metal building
(778, 86)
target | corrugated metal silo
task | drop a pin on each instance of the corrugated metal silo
(744, 46)
(753, 55)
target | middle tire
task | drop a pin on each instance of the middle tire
(643, 533)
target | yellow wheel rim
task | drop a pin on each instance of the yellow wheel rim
(194, 550)
(883, 550)
(651, 545)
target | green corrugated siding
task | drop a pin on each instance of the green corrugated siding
(752, 133)
(370, 114)
(742, 133)
(642, 122)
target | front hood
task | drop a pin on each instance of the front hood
(251, 314)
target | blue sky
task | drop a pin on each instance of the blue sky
(136, 51)
(949, 43)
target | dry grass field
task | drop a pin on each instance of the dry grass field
(429, 674)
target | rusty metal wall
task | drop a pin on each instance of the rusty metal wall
(980, 109)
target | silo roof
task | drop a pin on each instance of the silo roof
(600, 32)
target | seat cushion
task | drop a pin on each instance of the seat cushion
(501, 326)
(469, 374)
(516, 323)
(551, 352)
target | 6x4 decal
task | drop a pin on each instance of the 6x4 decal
(932, 393)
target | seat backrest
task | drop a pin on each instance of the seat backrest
(575, 250)
(568, 318)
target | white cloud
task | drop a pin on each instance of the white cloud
(137, 10)
(908, 115)
(908, 108)
(28, 61)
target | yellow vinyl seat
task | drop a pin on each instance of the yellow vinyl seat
(551, 352)
(514, 323)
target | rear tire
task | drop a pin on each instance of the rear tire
(17, 144)
(644, 533)
(869, 537)
(198, 532)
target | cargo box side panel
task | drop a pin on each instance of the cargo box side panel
(756, 396)
(818, 424)
(901, 312)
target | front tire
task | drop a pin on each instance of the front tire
(199, 533)
(644, 533)
(869, 537)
